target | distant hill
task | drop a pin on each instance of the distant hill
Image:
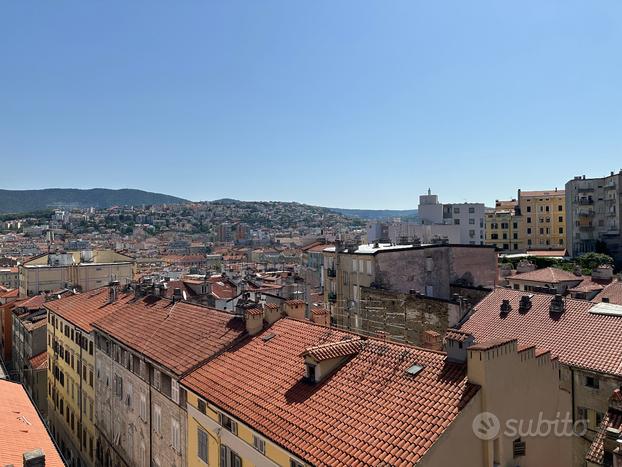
(376, 214)
(32, 200)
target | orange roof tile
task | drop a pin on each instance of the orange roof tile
(578, 337)
(358, 415)
(596, 453)
(177, 336)
(548, 275)
(21, 428)
(39, 361)
(332, 350)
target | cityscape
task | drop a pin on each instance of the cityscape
(311, 234)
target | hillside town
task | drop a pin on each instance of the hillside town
(279, 334)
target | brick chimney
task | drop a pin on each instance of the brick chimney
(253, 317)
(34, 458)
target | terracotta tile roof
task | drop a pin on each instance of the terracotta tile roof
(332, 350)
(177, 336)
(39, 361)
(318, 310)
(295, 302)
(84, 309)
(370, 411)
(587, 285)
(32, 303)
(612, 419)
(457, 335)
(613, 292)
(578, 337)
(548, 275)
(254, 311)
(11, 293)
(272, 306)
(492, 344)
(223, 290)
(21, 428)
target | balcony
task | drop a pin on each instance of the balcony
(331, 272)
(610, 186)
(332, 297)
(586, 201)
(585, 190)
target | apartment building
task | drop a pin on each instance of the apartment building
(298, 394)
(142, 351)
(71, 372)
(29, 349)
(502, 226)
(586, 337)
(9, 277)
(593, 223)
(85, 270)
(467, 217)
(427, 269)
(542, 221)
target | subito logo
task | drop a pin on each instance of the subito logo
(486, 426)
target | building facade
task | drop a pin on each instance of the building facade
(542, 219)
(593, 221)
(427, 269)
(502, 226)
(86, 270)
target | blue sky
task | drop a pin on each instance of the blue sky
(354, 104)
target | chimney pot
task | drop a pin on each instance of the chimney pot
(34, 458)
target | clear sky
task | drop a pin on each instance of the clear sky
(360, 104)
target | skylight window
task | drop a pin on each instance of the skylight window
(414, 370)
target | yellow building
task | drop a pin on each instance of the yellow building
(85, 270)
(543, 219)
(502, 226)
(71, 390)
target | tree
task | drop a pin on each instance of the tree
(590, 261)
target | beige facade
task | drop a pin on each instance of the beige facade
(9, 277)
(542, 219)
(86, 270)
(502, 226)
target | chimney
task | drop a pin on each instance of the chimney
(505, 306)
(34, 458)
(605, 299)
(112, 291)
(253, 318)
(177, 295)
(557, 304)
(525, 303)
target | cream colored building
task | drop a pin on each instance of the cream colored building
(502, 226)
(85, 270)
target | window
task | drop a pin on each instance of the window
(156, 379)
(175, 437)
(560, 219)
(560, 208)
(456, 221)
(529, 220)
(582, 414)
(471, 210)
(143, 407)
(529, 231)
(295, 463)
(561, 230)
(591, 382)
(228, 424)
(157, 418)
(259, 444)
(229, 458)
(354, 265)
(175, 391)
(472, 221)
(129, 394)
(369, 268)
(202, 445)
(202, 406)
(519, 448)
(90, 347)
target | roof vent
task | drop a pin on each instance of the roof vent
(605, 300)
(525, 303)
(505, 306)
(557, 304)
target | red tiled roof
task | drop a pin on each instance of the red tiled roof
(492, 344)
(21, 428)
(255, 311)
(596, 453)
(32, 303)
(177, 336)
(370, 411)
(457, 335)
(332, 350)
(587, 285)
(548, 275)
(613, 292)
(39, 361)
(578, 337)
(318, 310)
(11, 293)
(295, 302)
(84, 309)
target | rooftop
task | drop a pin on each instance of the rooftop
(547, 275)
(577, 336)
(359, 414)
(21, 428)
(612, 293)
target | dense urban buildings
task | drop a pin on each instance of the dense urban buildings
(213, 333)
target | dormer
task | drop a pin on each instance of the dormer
(321, 360)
